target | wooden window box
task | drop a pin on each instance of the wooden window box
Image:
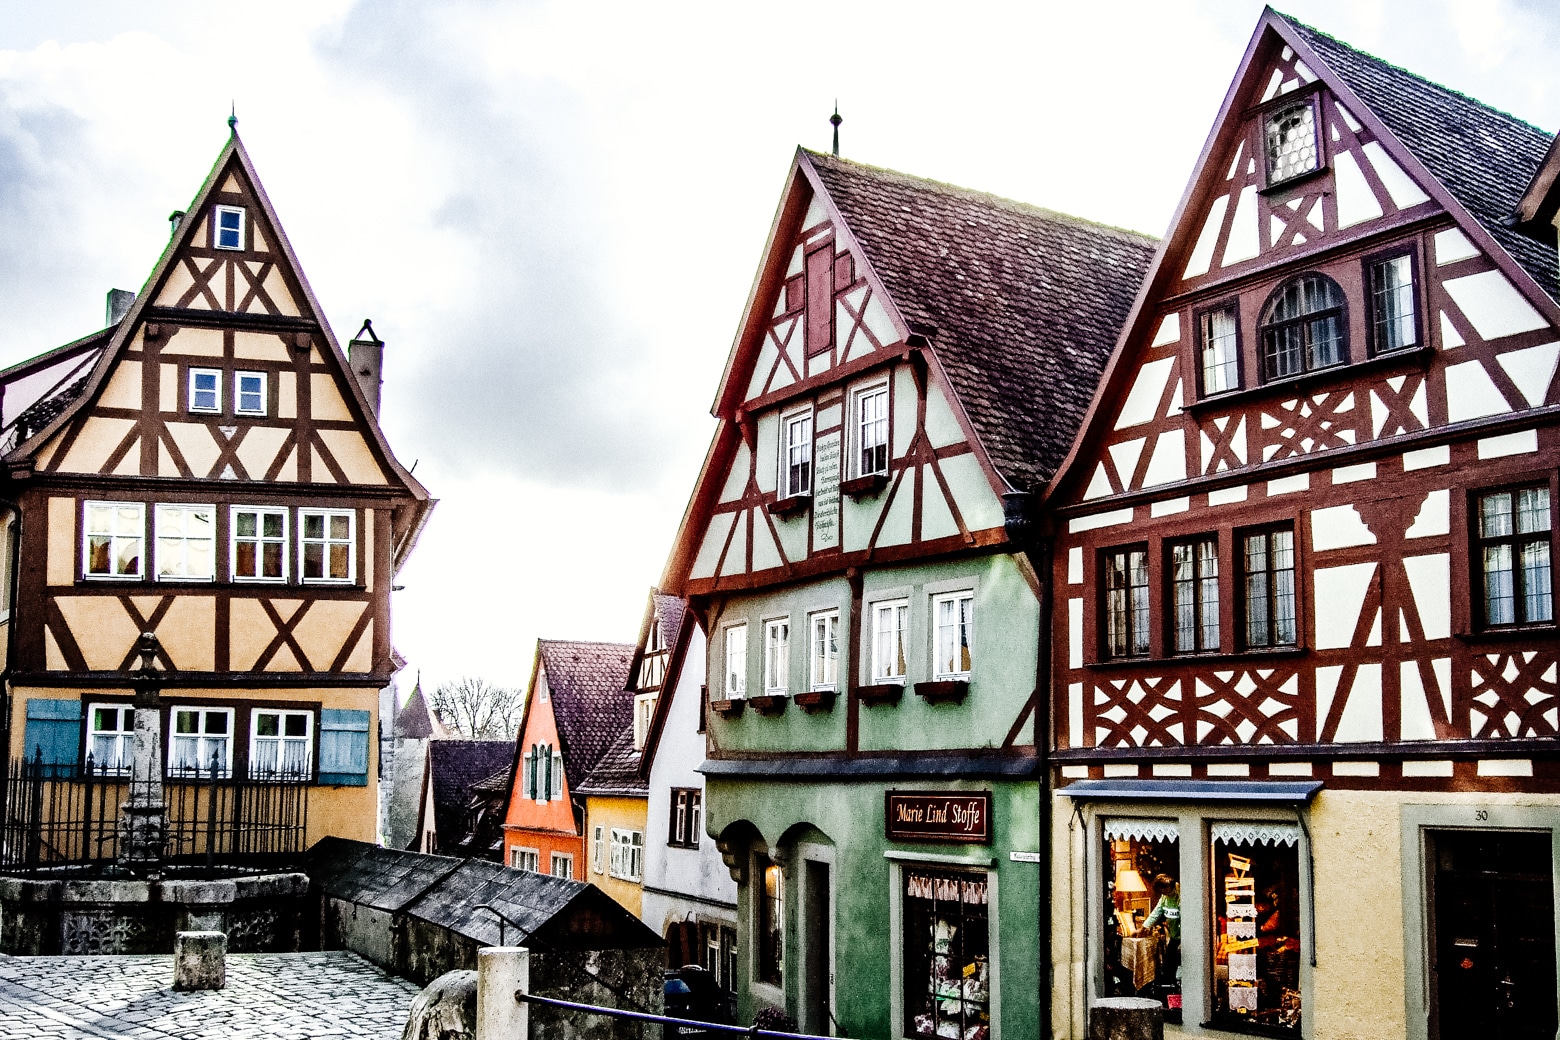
(860, 487)
(815, 701)
(948, 691)
(769, 703)
(793, 505)
(882, 693)
(728, 709)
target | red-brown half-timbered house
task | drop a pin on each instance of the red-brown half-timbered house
(1305, 653)
(577, 703)
(208, 468)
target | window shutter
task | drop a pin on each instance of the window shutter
(557, 776)
(671, 820)
(544, 767)
(54, 728)
(528, 773)
(344, 747)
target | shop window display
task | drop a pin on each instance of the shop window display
(947, 956)
(771, 922)
(1143, 912)
(1256, 938)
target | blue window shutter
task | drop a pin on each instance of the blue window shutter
(54, 726)
(344, 747)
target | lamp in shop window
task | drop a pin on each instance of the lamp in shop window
(1129, 881)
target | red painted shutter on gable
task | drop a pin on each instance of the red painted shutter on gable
(820, 299)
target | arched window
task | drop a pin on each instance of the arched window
(1303, 327)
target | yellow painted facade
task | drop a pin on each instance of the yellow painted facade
(606, 813)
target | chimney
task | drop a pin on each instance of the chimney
(174, 220)
(119, 301)
(366, 355)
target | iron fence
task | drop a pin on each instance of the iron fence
(51, 818)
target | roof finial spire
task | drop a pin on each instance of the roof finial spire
(232, 117)
(836, 120)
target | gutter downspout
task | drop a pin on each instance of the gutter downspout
(13, 547)
(1024, 532)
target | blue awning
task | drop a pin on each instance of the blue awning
(1288, 792)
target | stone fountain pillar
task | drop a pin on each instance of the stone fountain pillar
(143, 820)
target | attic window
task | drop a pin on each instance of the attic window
(1291, 142)
(229, 230)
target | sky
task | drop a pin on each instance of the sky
(553, 212)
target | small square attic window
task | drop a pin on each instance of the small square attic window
(229, 228)
(1291, 141)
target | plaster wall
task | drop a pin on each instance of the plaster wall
(609, 813)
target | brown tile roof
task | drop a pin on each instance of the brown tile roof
(1026, 302)
(455, 767)
(618, 770)
(670, 609)
(590, 698)
(1484, 157)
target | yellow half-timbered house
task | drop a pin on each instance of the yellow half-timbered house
(208, 468)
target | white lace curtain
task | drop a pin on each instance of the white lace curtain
(1121, 829)
(1256, 833)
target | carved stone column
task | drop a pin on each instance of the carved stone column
(143, 820)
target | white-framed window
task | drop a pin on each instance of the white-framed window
(796, 455)
(197, 737)
(628, 854)
(562, 865)
(249, 396)
(114, 540)
(110, 738)
(823, 644)
(871, 411)
(644, 711)
(281, 743)
(227, 230)
(777, 655)
(953, 621)
(325, 544)
(525, 859)
(205, 390)
(736, 661)
(186, 542)
(598, 852)
(259, 543)
(889, 622)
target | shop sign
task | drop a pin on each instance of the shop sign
(962, 816)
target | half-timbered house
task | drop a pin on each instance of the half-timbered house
(577, 703)
(1305, 653)
(208, 469)
(913, 357)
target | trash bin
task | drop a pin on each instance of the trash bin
(692, 992)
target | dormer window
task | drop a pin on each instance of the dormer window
(205, 390)
(229, 230)
(1291, 141)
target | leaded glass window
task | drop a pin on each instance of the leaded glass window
(1291, 142)
(1303, 328)
(1126, 602)
(1514, 548)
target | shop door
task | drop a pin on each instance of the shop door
(1494, 935)
(816, 1012)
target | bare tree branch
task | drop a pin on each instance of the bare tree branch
(476, 708)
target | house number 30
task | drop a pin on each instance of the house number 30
(1481, 815)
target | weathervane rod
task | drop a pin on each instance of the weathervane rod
(836, 120)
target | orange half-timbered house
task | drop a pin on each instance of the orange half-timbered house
(208, 468)
(1305, 648)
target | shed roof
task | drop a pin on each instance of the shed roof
(618, 771)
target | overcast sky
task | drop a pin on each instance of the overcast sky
(553, 211)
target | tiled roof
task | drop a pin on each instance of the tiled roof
(454, 767)
(670, 610)
(618, 770)
(414, 721)
(1483, 156)
(1026, 302)
(590, 698)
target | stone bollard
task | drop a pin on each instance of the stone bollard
(1126, 1018)
(199, 961)
(446, 1009)
(501, 970)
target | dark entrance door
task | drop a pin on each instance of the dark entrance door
(816, 1012)
(1493, 935)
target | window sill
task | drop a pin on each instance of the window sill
(1304, 383)
(881, 693)
(1511, 634)
(793, 505)
(943, 691)
(861, 487)
(1289, 183)
(1276, 653)
(728, 709)
(816, 701)
(770, 704)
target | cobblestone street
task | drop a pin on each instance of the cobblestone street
(286, 996)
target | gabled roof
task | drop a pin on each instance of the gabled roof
(1483, 156)
(1022, 305)
(618, 771)
(676, 653)
(454, 768)
(588, 685)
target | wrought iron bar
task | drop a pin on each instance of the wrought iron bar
(645, 1016)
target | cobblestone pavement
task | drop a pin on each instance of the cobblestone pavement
(269, 996)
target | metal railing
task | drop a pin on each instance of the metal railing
(53, 817)
(685, 1025)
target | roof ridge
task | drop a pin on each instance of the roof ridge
(1399, 69)
(975, 193)
(585, 642)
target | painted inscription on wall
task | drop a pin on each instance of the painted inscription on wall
(963, 816)
(826, 492)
